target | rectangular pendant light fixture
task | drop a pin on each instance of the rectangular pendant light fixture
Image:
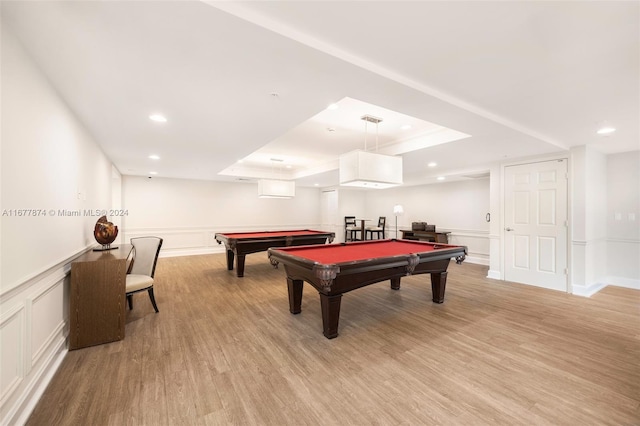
(366, 169)
(370, 170)
(273, 188)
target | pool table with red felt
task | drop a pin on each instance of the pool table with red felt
(338, 268)
(242, 243)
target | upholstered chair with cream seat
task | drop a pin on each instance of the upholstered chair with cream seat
(378, 230)
(142, 269)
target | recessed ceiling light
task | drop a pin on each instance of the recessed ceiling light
(153, 173)
(432, 164)
(441, 178)
(158, 118)
(330, 129)
(288, 166)
(405, 127)
(316, 184)
(606, 130)
(333, 106)
(154, 157)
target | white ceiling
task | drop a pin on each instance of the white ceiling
(252, 80)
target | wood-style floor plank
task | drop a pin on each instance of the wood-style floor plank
(225, 350)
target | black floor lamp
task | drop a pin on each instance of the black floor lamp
(398, 211)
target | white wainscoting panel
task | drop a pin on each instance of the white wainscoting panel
(11, 351)
(48, 318)
(477, 243)
(33, 337)
(623, 262)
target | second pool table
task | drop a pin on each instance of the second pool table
(339, 268)
(240, 244)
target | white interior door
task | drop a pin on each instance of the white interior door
(329, 212)
(535, 219)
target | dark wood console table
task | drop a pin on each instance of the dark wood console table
(97, 297)
(437, 237)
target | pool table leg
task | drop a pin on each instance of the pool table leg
(240, 265)
(295, 295)
(395, 283)
(230, 260)
(330, 314)
(438, 284)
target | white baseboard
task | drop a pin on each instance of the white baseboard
(477, 260)
(590, 290)
(494, 275)
(191, 251)
(624, 282)
(587, 290)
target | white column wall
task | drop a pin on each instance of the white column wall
(49, 163)
(495, 226)
(623, 219)
(588, 221)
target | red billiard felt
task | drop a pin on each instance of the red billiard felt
(268, 234)
(337, 253)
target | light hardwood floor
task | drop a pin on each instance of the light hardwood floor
(225, 350)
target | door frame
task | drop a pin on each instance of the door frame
(531, 160)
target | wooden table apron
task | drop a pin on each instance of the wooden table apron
(333, 280)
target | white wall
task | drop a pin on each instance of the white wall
(623, 219)
(596, 206)
(49, 162)
(187, 213)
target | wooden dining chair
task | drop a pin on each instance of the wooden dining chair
(351, 228)
(378, 230)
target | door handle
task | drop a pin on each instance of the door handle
(509, 229)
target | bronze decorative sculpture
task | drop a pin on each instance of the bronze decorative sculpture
(105, 233)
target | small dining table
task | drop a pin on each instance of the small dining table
(362, 228)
